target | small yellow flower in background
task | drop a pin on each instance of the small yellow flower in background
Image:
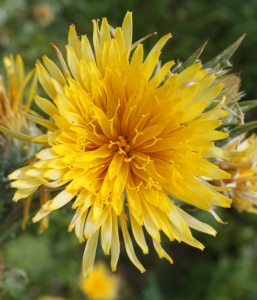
(126, 138)
(101, 285)
(49, 297)
(243, 170)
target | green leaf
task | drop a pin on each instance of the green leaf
(194, 57)
(229, 126)
(191, 60)
(236, 131)
(247, 105)
(223, 58)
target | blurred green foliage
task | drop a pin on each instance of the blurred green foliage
(191, 23)
(50, 263)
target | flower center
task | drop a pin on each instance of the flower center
(122, 143)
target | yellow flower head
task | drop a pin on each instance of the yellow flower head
(11, 98)
(101, 285)
(12, 117)
(126, 138)
(12, 110)
(243, 170)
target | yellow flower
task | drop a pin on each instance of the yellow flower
(124, 141)
(49, 297)
(12, 112)
(11, 103)
(101, 285)
(243, 170)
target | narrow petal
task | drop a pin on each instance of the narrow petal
(53, 70)
(158, 47)
(115, 244)
(45, 80)
(46, 106)
(138, 234)
(106, 234)
(127, 32)
(41, 121)
(86, 50)
(129, 245)
(61, 199)
(21, 136)
(194, 223)
(89, 254)
(161, 252)
(74, 41)
(23, 193)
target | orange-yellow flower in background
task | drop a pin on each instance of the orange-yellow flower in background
(101, 285)
(243, 170)
(124, 141)
(43, 13)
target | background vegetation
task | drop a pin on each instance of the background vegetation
(50, 263)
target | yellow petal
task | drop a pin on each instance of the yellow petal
(159, 77)
(46, 106)
(106, 234)
(138, 234)
(74, 41)
(138, 56)
(40, 215)
(115, 244)
(127, 32)
(194, 223)
(157, 47)
(21, 193)
(21, 136)
(161, 252)
(128, 244)
(93, 224)
(89, 254)
(45, 80)
(53, 70)
(46, 123)
(86, 50)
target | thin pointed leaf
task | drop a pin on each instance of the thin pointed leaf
(190, 61)
(236, 131)
(194, 57)
(223, 58)
(229, 126)
(247, 105)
